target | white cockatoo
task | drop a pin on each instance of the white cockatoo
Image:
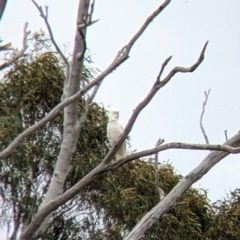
(114, 131)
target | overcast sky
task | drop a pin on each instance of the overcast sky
(181, 31)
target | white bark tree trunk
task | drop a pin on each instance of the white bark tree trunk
(70, 125)
(54, 197)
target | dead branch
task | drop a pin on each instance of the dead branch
(54, 112)
(157, 85)
(44, 16)
(226, 136)
(16, 56)
(201, 117)
(231, 146)
(87, 105)
(174, 145)
(163, 207)
(70, 124)
(34, 225)
(103, 167)
(45, 210)
(124, 52)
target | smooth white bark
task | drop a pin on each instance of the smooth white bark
(162, 207)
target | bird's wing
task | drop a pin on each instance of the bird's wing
(114, 130)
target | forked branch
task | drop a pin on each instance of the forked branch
(226, 136)
(18, 54)
(202, 114)
(106, 165)
(54, 112)
(170, 200)
(220, 150)
(45, 18)
(87, 105)
(156, 86)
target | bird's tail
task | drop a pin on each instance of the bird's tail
(121, 152)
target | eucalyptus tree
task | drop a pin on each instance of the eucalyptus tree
(77, 92)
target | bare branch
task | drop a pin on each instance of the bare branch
(87, 105)
(228, 147)
(157, 85)
(125, 50)
(70, 126)
(53, 113)
(175, 145)
(162, 69)
(19, 53)
(226, 136)
(45, 18)
(163, 207)
(157, 185)
(201, 117)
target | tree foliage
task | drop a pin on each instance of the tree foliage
(226, 217)
(126, 194)
(29, 90)
(112, 204)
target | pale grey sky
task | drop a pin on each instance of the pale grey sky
(181, 30)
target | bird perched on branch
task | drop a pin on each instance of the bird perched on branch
(114, 131)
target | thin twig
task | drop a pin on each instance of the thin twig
(16, 56)
(101, 168)
(90, 14)
(45, 18)
(157, 183)
(201, 117)
(124, 52)
(163, 207)
(105, 164)
(157, 85)
(175, 145)
(162, 69)
(226, 136)
(87, 105)
(54, 112)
